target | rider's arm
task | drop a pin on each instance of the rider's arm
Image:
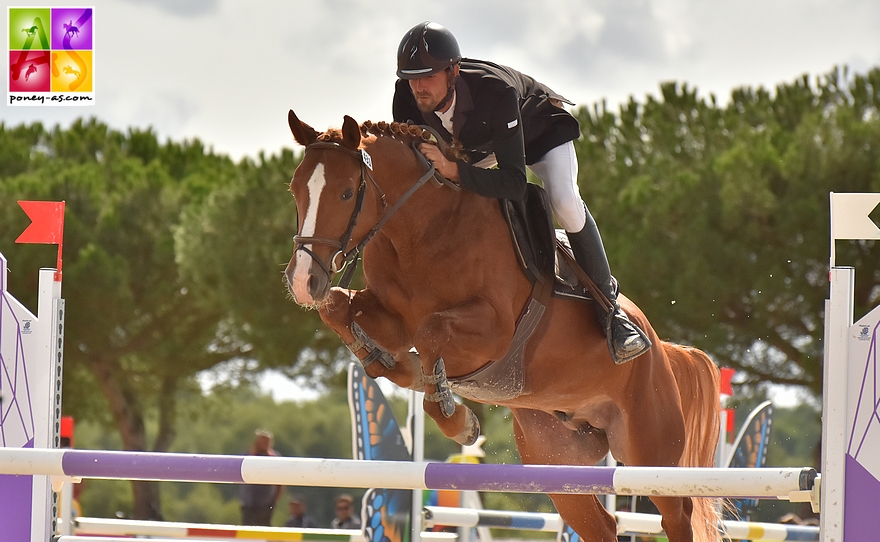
(508, 181)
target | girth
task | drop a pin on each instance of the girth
(504, 379)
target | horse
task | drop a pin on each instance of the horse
(443, 297)
(70, 29)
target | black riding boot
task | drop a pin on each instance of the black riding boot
(625, 340)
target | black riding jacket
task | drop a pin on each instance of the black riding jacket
(498, 110)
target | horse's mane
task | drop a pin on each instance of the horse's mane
(408, 132)
(402, 132)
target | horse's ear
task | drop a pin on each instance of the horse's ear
(351, 133)
(304, 134)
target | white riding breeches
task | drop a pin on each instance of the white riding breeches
(558, 169)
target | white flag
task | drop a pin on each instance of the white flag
(849, 216)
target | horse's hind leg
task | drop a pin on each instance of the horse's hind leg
(654, 435)
(542, 439)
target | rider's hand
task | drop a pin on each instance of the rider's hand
(441, 164)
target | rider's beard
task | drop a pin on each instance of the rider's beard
(426, 102)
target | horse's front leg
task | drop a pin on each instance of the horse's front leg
(459, 341)
(373, 334)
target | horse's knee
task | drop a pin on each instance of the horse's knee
(335, 312)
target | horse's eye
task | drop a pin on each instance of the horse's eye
(347, 194)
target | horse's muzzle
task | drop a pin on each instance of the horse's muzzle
(308, 283)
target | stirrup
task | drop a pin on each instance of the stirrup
(626, 340)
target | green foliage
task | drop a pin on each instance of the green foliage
(233, 248)
(716, 217)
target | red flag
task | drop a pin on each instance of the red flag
(47, 222)
(726, 376)
(730, 420)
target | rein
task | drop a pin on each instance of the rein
(351, 258)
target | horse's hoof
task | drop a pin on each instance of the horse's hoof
(471, 431)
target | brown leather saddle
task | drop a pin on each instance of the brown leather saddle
(539, 247)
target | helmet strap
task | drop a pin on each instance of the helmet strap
(450, 91)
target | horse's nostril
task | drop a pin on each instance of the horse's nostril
(317, 286)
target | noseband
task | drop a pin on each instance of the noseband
(352, 256)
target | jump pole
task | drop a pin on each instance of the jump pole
(786, 483)
(627, 523)
(178, 530)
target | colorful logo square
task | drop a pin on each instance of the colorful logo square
(29, 28)
(72, 28)
(29, 71)
(71, 71)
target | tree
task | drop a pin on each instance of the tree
(716, 217)
(233, 248)
(132, 329)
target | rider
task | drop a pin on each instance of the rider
(504, 118)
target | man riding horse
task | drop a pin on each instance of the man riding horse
(504, 118)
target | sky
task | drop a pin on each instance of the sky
(227, 71)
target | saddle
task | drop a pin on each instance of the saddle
(539, 247)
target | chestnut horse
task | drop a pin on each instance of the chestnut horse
(443, 278)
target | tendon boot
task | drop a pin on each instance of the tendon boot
(625, 340)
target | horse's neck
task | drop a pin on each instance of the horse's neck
(432, 215)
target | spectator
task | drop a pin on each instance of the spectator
(258, 500)
(345, 517)
(298, 516)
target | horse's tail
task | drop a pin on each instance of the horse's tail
(698, 384)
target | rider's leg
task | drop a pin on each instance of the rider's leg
(558, 169)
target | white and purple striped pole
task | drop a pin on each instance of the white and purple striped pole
(677, 481)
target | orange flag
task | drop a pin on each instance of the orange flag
(47, 226)
(47, 222)
(726, 377)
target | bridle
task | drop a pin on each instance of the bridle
(352, 256)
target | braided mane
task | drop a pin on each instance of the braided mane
(407, 133)
(403, 132)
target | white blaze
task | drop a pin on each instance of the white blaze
(301, 274)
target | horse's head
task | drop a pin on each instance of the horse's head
(328, 187)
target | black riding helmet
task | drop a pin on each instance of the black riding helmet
(426, 49)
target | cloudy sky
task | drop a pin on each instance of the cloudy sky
(227, 71)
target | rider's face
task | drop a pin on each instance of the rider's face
(429, 91)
